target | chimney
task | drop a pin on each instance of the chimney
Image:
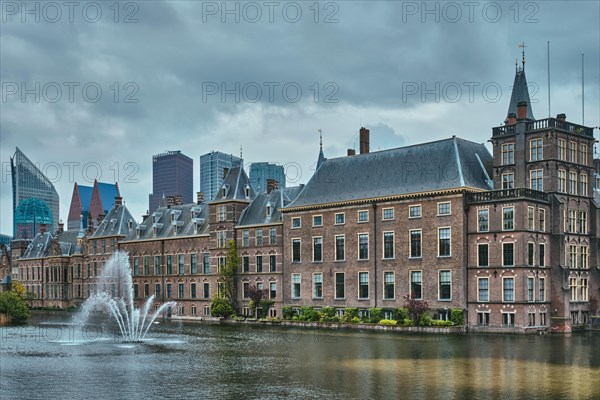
(561, 117)
(351, 152)
(199, 197)
(364, 140)
(170, 201)
(177, 200)
(521, 110)
(271, 184)
(61, 227)
(511, 119)
(145, 216)
(90, 223)
(43, 228)
(118, 201)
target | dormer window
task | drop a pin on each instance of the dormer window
(269, 210)
(224, 190)
(247, 191)
(130, 223)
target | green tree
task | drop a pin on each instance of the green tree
(228, 274)
(14, 306)
(220, 307)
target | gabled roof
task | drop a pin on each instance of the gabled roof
(108, 192)
(235, 185)
(39, 246)
(256, 213)
(174, 221)
(435, 166)
(520, 93)
(116, 223)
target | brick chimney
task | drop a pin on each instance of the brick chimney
(90, 223)
(61, 227)
(351, 152)
(561, 117)
(364, 140)
(272, 184)
(170, 201)
(521, 110)
(177, 200)
(118, 201)
(43, 228)
(199, 197)
(511, 119)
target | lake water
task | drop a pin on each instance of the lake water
(52, 359)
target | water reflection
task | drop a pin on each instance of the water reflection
(247, 361)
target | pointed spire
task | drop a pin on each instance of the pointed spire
(520, 91)
(241, 152)
(522, 46)
(321, 158)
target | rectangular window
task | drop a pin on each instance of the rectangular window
(388, 286)
(542, 255)
(583, 224)
(508, 254)
(135, 290)
(562, 181)
(584, 290)
(317, 285)
(508, 218)
(508, 289)
(221, 213)
(339, 218)
(416, 285)
(157, 290)
(206, 290)
(363, 285)
(296, 223)
(482, 255)
(414, 211)
(583, 184)
(259, 237)
(246, 264)
(317, 220)
(296, 250)
(388, 244)
(573, 288)
(530, 289)
(156, 265)
(245, 238)
(415, 243)
(445, 285)
(272, 236)
(531, 318)
(443, 208)
(221, 238)
(136, 263)
(508, 181)
(363, 246)
(246, 290)
(571, 221)
(272, 290)
(530, 253)
(169, 264)
(193, 263)
(340, 248)
(317, 249)
(572, 152)
(259, 267)
(508, 318)
(508, 153)
(272, 263)
(206, 263)
(583, 155)
(181, 264)
(542, 225)
(530, 218)
(388, 213)
(483, 220)
(572, 256)
(193, 290)
(562, 149)
(146, 265)
(169, 291)
(536, 150)
(483, 318)
(572, 182)
(340, 285)
(483, 289)
(295, 286)
(363, 216)
(443, 242)
(146, 290)
(542, 289)
(583, 257)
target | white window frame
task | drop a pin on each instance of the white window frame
(479, 279)
(383, 210)
(439, 284)
(487, 211)
(368, 286)
(343, 218)
(299, 219)
(314, 224)
(444, 203)
(438, 241)
(383, 245)
(358, 221)
(416, 206)
(513, 219)
(358, 246)
(384, 283)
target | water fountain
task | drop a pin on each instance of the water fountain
(115, 295)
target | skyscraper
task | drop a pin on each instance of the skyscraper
(172, 174)
(35, 200)
(261, 171)
(213, 168)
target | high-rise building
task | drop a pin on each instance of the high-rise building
(172, 174)
(35, 200)
(213, 168)
(260, 172)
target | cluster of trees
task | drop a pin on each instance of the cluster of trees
(13, 303)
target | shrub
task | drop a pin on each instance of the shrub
(266, 304)
(287, 312)
(355, 320)
(425, 320)
(14, 306)
(220, 307)
(349, 314)
(309, 314)
(375, 315)
(457, 316)
(328, 315)
(400, 314)
(407, 322)
(391, 322)
(416, 308)
(439, 322)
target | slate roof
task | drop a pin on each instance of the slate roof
(236, 183)
(256, 212)
(116, 223)
(174, 221)
(435, 166)
(42, 243)
(39, 246)
(520, 92)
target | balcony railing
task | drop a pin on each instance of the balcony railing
(504, 130)
(547, 123)
(507, 194)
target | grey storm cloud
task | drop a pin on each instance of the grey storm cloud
(399, 68)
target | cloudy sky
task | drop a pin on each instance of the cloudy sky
(96, 89)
